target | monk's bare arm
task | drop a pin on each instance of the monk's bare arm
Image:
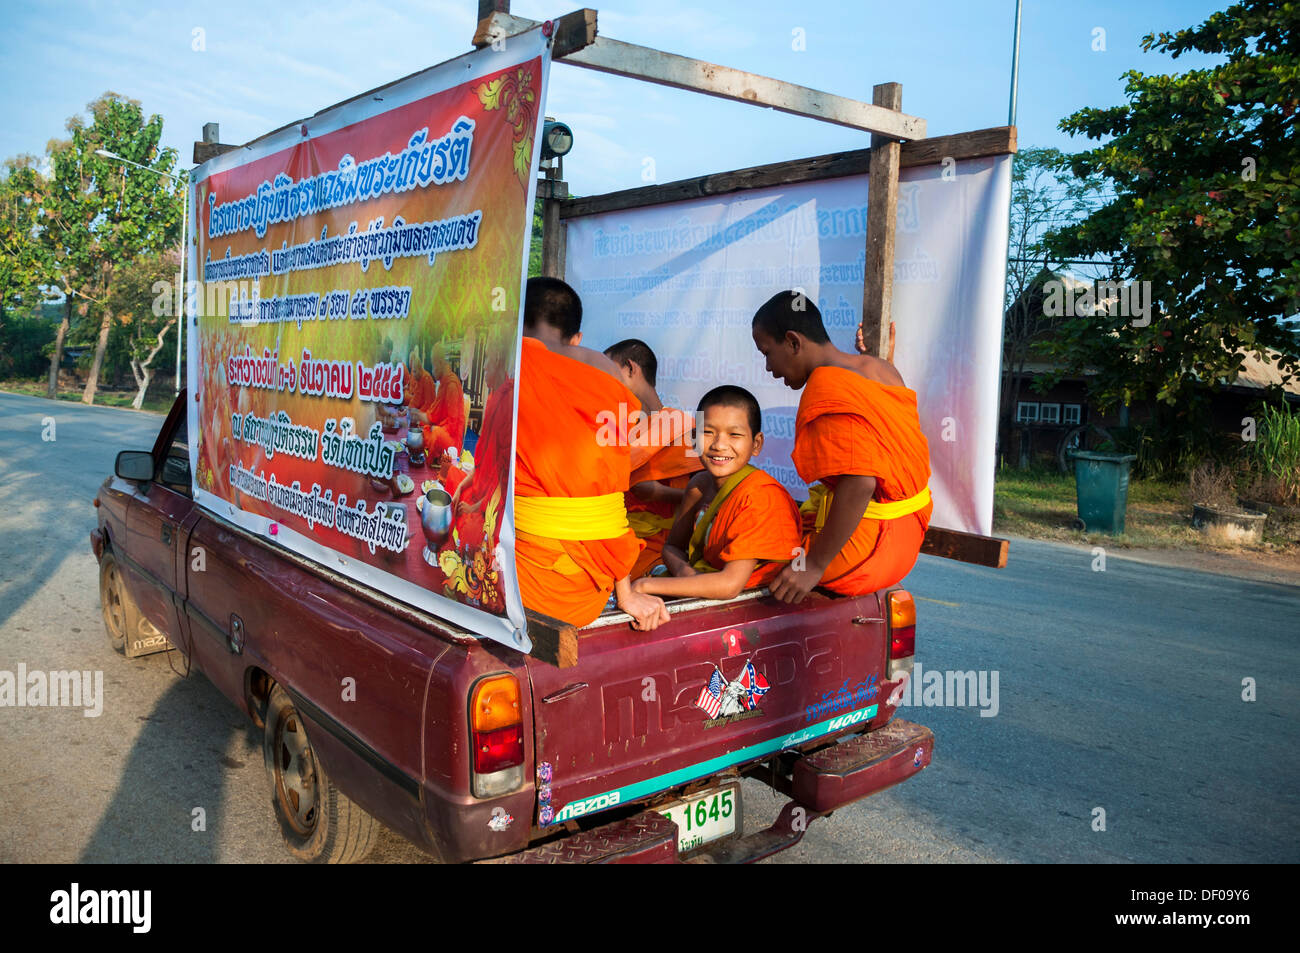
(679, 537)
(852, 494)
(704, 585)
(653, 491)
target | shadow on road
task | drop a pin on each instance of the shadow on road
(179, 763)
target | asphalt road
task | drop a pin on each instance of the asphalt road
(1118, 689)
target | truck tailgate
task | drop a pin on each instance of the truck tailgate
(636, 715)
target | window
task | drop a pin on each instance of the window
(175, 470)
(1026, 412)
(1049, 413)
(1071, 413)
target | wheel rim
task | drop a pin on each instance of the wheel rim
(295, 773)
(112, 599)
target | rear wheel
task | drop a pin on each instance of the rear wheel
(120, 614)
(319, 823)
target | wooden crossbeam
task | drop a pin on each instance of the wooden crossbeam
(682, 72)
(1000, 140)
(965, 547)
(554, 642)
(203, 151)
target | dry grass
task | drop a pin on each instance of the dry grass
(103, 398)
(1042, 505)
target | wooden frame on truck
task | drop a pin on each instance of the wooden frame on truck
(897, 141)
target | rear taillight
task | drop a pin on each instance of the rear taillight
(497, 735)
(497, 750)
(902, 639)
(902, 624)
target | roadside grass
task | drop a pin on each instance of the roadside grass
(1041, 504)
(103, 398)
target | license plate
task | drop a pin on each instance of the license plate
(704, 817)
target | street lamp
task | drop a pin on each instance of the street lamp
(185, 213)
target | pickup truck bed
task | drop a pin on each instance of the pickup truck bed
(801, 698)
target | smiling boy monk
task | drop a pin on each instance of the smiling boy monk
(750, 525)
(573, 545)
(857, 431)
(663, 453)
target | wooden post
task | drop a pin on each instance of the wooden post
(553, 193)
(882, 215)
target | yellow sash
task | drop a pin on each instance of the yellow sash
(645, 524)
(572, 517)
(820, 496)
(695, 552)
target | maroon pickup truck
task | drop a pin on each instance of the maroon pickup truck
(376, 712)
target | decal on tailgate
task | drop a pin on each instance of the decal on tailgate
(608, 799)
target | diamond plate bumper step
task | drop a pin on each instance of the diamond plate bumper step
(862, 765)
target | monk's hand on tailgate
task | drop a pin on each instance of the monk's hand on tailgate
(791, 585)
(647, 612)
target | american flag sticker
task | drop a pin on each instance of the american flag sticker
(710, 699)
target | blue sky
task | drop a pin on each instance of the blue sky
(263, 65)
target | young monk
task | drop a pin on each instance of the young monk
(443, 419)
(749, 527)
(573, 544)
(857, 431)
(491, 457)
(663, 453)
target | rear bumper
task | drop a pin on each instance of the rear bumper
(859, 766)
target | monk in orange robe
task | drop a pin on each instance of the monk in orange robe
(664, 457)
(572, 542)
(420, 388)
(857, 431)
(491, 458)
(749, 527)
(443, 418)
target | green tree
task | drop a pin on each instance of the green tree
(1041, 203)
(102, 212)
(24, 265)
(1205, 171)
(143, 327)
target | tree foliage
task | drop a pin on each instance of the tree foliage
(1205, 171)
(1041, 203)
(100, 212)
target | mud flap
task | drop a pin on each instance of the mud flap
(146, 640)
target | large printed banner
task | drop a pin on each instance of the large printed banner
(686, 278)
(357, 339)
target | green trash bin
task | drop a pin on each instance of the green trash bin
(1101, 482)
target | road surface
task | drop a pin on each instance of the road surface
(1118, 690)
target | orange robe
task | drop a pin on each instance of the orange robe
(557, 453)
(662, 455)
(848, 425)
(758, 520)
(446, 413)
(421, 390)
(491, 464)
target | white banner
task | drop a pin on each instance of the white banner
(686, 278)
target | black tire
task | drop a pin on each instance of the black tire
(319, 823)
(120, 614)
